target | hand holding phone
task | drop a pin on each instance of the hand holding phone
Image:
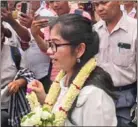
(25, 20)
(46, 17)
(6, 15)
(45, 20)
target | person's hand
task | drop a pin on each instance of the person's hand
(6, 15)
(37, 25)
(38, 88)
(13, 86)
(25, 20)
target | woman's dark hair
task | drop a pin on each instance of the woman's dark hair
(76, 30)
(100, 79)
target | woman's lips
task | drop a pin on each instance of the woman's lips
(54, 61)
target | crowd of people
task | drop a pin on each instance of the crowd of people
(95, 41)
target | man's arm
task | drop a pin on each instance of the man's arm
(41, 43)
(38, 35)
(20, 30)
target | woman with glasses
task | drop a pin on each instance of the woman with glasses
(81, 94)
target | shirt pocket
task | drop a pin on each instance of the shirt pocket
(123, 57)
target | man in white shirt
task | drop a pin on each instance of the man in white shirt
(14, 76)
(41, 62)
(129, 8)
(117, 54)
(6, 15)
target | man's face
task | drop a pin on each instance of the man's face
(60, 7)
(107, 10)
(11, 4)
(34, 5)
(129, 3)
(18, 6)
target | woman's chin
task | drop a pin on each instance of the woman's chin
(56, 64)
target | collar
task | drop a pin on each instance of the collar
(62, 83)
(133, 10)
(132, 13)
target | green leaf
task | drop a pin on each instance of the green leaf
(44, 108)
(30, 114)
(49, 124)
(52, 118)
(23, 119)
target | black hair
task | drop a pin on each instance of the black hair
(16, 2)
(88, 7)
(100, 79)
(76, 30)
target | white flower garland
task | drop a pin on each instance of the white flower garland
(42, 115)
(74, 90)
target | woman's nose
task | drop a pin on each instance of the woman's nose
(50, 51)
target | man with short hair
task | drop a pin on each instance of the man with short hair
(117, 54)
(130, 9)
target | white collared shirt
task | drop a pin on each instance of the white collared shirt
(93, 108)
(132, 13)
(37, 61)
(8, 72)
(118, 61)
(61, 96)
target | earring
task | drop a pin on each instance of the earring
(78, 60)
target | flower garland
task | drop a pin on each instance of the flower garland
(74, 90)
(33, 101)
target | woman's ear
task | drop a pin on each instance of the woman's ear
(80, 50)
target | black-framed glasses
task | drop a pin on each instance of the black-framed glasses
(54, 46)
(52, 1)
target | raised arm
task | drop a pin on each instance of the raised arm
(20, 30)
(38, 35)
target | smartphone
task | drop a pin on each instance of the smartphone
(4, 4)
(24, 8)
(49, 19)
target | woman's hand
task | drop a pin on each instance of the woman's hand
(38, 88)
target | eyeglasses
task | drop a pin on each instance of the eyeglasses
(54, 46)
(54, 1)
